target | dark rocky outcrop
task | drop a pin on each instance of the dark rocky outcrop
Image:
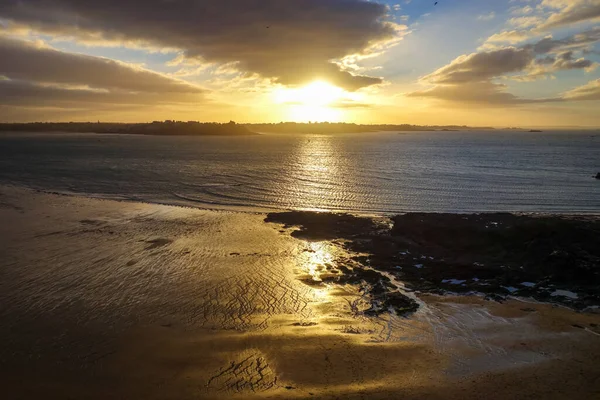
(325, 226)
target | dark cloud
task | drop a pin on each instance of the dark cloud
(546, 66)
(548, 60)
(291, 41)
(565, 61)
(23, 60)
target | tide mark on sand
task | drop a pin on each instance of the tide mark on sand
(155, 243)
(89, 222)
(251, 372)
(11, 206)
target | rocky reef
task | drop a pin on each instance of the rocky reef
(546, 258)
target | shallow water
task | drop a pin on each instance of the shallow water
(367, 173)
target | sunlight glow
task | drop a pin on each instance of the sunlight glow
(318, 93)
(314, 102)
(305, 113)
(318, 101)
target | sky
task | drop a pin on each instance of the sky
(485, 63)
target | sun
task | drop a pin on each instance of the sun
(315, 94)
(313, 102)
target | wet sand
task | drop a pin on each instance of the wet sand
(103, 299)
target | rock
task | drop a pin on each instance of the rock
(495, 297)
(528, 309)
(402, 304)
(304, 324)
(598, 175)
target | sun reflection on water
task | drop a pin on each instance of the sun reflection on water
(315, 175)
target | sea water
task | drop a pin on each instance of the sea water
(373, 173)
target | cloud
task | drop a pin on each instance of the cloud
(33, 74)
(25, 60)
(525, 22)
(350, 104)
(521, 10)
(30, 94)
(569, 12)
(291, 42)
(477, 93)
(589, 91)
(547, 16)
(481, 67)
(513, 36)
(487, 17)
(543, 67)
(579, 41)
(470, 78)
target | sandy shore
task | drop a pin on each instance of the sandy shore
(103, 299)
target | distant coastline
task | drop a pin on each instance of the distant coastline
(342, 127)
(160, 128)
(196, 128)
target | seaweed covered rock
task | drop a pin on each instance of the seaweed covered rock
(555, 248)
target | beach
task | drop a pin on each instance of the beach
(122, 299)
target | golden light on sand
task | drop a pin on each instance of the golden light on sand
(320, 255)
(316, 264)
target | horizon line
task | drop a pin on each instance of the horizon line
(499, 127)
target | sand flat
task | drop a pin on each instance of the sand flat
(106, 299)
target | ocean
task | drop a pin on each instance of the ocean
(369, 173)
